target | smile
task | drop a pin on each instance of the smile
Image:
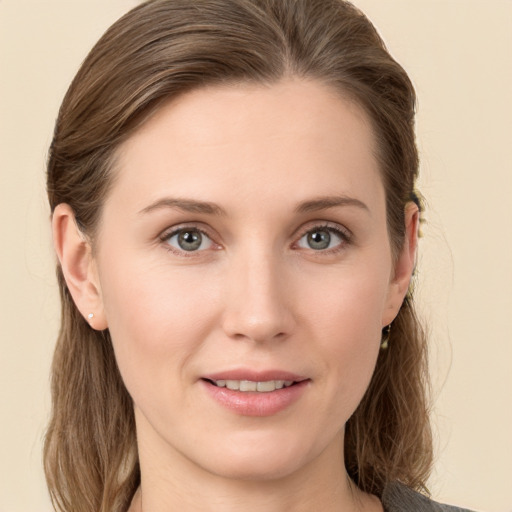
(264, 397)
(254, 386)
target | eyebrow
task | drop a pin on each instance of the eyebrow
(207, 208)
(187, 205)
(324, 203)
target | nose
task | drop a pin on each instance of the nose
(258, 302)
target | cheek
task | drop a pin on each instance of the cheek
(349, 304)
(152, 318)
(346, 320)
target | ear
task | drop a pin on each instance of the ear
(78, 266)
(404, 265)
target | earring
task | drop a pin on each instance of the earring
(90, 316)
(385, 337)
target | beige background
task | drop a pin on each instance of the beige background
(459, 54)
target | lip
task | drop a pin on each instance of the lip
(255, 376)
(251, 403)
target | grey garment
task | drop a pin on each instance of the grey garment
(399, 498)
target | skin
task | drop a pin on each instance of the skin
(255, 295)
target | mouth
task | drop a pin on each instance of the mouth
(250, 393)
(246, 386)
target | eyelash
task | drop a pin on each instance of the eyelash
(344, 234)
(164, 238)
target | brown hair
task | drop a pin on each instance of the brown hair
(163, 48)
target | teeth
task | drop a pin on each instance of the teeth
(249, 385)
(265, 387)
(233, 384)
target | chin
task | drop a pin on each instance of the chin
(254, 469)
(259, 459)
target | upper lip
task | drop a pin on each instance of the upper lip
(254, 376)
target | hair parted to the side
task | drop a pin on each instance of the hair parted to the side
(157, 51)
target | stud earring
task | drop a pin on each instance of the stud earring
(385, 337)
(90, 316)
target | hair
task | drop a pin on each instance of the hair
(164, 48)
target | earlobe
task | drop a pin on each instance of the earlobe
(78, 266)
(404, 264)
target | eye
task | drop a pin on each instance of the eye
(322, 238)
(188, 240)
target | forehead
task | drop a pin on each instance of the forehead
(275, 142)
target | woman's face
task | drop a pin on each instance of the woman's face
(245, 239)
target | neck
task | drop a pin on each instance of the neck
(178, 484)
(258, 501)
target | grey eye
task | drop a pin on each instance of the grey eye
(322, 238)
(319, 239)
(189, 240)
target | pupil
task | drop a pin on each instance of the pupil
(319, 240)
(189, 240)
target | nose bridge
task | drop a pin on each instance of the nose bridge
(257, 305)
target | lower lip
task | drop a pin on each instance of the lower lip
(253, 403)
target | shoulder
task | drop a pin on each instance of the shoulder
(400, 498)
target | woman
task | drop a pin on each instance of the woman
(232, 188)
